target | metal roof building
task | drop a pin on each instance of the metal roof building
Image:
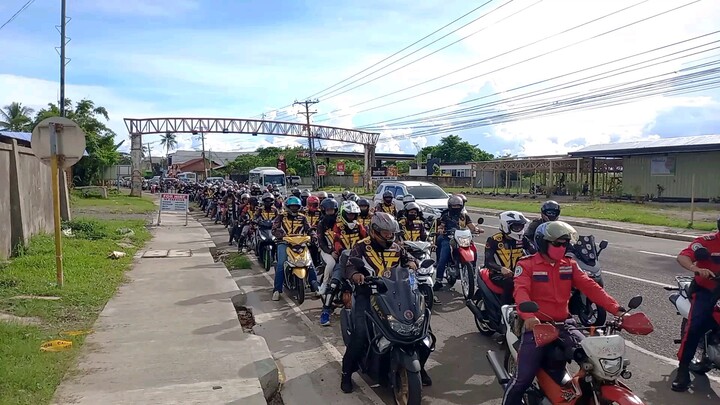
(672, 168)
(22, 137)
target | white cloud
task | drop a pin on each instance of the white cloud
(154, 8)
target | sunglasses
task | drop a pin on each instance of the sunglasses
(559, 243)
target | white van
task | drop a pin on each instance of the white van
(188, 177)
(269, 175)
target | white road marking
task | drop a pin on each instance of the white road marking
(642, 280)
(657, 254)
(664, 359)
(334, 352)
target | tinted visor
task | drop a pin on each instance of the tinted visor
(516, 227)
(552, 214)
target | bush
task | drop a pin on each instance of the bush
(87, 229)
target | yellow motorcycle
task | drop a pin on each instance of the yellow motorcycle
(297, 265)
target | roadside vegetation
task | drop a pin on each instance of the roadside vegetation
(27, 374)
(116, 203)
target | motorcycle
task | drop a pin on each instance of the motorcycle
(265, 243)
(397, 325)
(297, 265)
(426, 270)
(462, 260)
(708, 352)
(486, 305)
(587, 255)
(600, 357)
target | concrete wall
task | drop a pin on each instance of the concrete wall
(704, 166)
(26, 201)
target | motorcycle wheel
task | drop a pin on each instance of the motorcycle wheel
(429, 295)
(482, 327)
(300, 289)
(267, 259)
(408, 390)
(467, 281)
(592, 315)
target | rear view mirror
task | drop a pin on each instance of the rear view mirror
(528, 307)
(702, 254)
(635, 302)
(603, 244)
(480, 221)
(399, 197)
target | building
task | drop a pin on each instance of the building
(223, 158)
(196, 166)
(668, 168)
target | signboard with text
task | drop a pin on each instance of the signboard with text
(382, 173)
(321, 170)
(340, 168)
(356, 177)
(170, 202)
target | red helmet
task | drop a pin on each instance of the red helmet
(313, 203)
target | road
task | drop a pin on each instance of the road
(310, 354)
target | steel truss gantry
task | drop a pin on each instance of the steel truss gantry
(137, 127)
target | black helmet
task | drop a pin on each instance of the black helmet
(305, 194)
(550, 210)
(295, 191)
(253, 201)
(550, 232)
(388, 196)
(363, 202)
(327, 204)
(383, 229)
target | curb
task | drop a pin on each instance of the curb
(596, 225)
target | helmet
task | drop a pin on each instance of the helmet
(313, 203)
(455, 200)
(408, 199)
(347, 209)
(363, 202)
(293, 204)
(322, 195)
(352, 197)
(463, 198)
(245, 196)
(295, 191)
(330, 195)
(329, 204)
(388, 196)
(550, 210)
(345, 194)
(253, 201)
(512, 224)
(412, 206)
(305, 193)
(268, 199)
(549, 232)
(384, 229)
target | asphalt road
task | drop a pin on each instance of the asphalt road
(309, 353)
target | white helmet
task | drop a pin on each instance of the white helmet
(512, 224)
(349, 207)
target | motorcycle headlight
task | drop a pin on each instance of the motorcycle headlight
(611, 366)
(405, 329)
(302, 261)
(464, 241)
(424, 271)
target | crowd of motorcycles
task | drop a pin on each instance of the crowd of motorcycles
(399, 323)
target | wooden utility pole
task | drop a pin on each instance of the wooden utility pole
(311, 144)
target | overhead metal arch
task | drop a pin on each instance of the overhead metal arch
(137, 127)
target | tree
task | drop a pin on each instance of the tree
(16, 118)
(99, 139)
(453, 149)
(301, 165)
(169, 141)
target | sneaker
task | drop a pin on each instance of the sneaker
(346, 384)
(325, 318)
(276, 296)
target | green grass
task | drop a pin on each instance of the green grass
(115, 203)
(236, 261)
(27, 375)
(621, 212)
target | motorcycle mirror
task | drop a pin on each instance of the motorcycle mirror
(528, 307)
(635, 302)
(399, 197)
(603, 244)
(427, 263)
(702, 254)
(481, 221)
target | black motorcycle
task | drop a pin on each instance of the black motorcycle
(265, 243)
(398, 325)
(586, 253)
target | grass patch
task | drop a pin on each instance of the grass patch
(236, 261)
(621, 212)
(115, 203)
(27, 375)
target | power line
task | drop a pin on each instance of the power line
(17, 13)
(510, 65)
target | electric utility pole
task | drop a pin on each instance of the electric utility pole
(202, 139)
(63, 60)
(311, 144)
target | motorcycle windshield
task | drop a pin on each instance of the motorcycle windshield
(401, 300)
(265, 224)
(584, 250)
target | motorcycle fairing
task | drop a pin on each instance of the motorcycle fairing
(467, 255)
(619, 394)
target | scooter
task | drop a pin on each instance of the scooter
(297, 265)
(462, 264)
(587, 255)
(426, 270)
(708, 352)
(398, 326)
(600, 357)
(265, 243)
(486, 306)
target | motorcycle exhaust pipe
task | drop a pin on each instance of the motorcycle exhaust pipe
(474, 309)
(500, 373)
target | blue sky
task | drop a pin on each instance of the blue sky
(215, 58)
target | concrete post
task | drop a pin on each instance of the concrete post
(17, 233)
(136, 154)
(369, 158)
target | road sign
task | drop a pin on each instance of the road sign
(321, 170)
(340, 168)
(170, 202)
(59, 136)
(383, 173)
(356, 177)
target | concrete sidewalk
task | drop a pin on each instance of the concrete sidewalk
(171, 334)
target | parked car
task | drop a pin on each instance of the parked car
(294, 180)
(430, 197)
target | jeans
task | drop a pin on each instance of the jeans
(700, 320)
(443, 255)
(279, 271)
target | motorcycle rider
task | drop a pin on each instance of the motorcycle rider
(454, 218)
(303, 197)
(412, 227)
(365, 212)
(380, 252)
(547, 278)
(290, 222)
(549, 211)
(387, 205)
(504, 249)
(312, 212)
(346, 233)
(322, 195)
(326, 234)
(700, 319)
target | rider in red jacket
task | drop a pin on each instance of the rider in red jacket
(547, 277)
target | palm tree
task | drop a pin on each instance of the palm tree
(169, 141)
(16, 118)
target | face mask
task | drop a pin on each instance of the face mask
(364, 212)
(411, 216)
(556, 252)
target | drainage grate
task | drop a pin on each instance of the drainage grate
(158, 254)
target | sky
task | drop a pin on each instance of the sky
(242, 59)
